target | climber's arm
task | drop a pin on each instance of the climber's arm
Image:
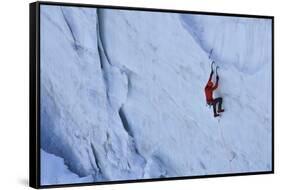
(211, 75)
(217, 84)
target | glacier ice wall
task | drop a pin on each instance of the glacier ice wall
(122, 94)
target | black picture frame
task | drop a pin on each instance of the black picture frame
(34, 92)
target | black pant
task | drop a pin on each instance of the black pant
(214, 104)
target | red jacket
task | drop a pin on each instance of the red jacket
(209, 90)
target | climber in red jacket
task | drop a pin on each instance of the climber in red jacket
(210, 87)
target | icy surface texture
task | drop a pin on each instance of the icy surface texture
(122, 95)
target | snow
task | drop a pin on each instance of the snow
(122, 94)
(54, 171)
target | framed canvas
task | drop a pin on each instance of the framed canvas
(122, 94)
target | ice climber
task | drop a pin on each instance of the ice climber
(210, 87)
